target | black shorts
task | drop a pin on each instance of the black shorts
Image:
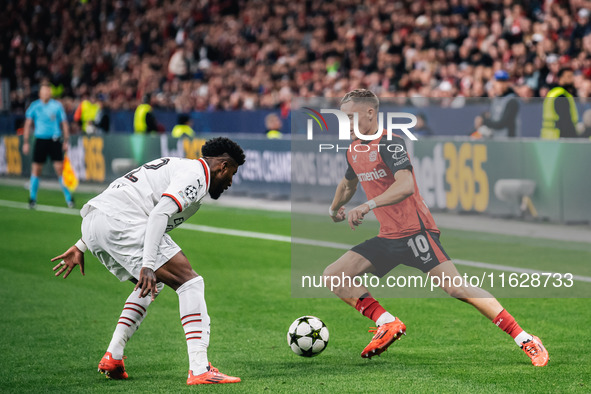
(422, 251)
(45, 148)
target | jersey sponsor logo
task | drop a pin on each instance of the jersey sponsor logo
(401, 161)
(373, 155)
(191, 192)
(372, 175)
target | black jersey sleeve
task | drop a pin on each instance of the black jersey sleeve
(349, 174)
(394, 154)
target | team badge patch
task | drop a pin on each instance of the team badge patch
(191, 192)
(373, 155)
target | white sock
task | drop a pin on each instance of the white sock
(522, 337)
(195, 321)
(384, 318)
(134, 312)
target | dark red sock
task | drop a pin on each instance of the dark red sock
(507, 323)
(369, 307)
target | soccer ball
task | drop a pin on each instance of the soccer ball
(307, 336)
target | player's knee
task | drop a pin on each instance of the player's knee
(457, 292)
(329, 271)
(329, 275)
(180, 280)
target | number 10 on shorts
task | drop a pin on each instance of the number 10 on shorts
(418, 244)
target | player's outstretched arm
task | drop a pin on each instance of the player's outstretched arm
(70, 258)
(345, 191)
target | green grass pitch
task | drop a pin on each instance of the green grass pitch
(55, 331)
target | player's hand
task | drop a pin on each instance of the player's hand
(340, 216)
(65, 147)
(147, 283)
(71, 258)
(26, 147)
(356, 215)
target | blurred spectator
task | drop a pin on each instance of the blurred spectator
(229, 55)
(183, 128)
(560, 116)
(502, 119)
(273, 125)
(143, 119)
(422, 129)
(178, 66)
(86, 113)
(102, 120)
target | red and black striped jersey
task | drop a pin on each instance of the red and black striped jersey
(374, 163)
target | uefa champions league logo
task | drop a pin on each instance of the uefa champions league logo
(191, 192)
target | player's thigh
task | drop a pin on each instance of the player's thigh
(119, 246)
(350, 264)
(445, 269)
(451, 281)
(176, 271)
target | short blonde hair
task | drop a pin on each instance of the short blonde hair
(362, 96)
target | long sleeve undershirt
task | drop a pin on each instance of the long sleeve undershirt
(155, 229)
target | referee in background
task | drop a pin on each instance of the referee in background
(48, 118)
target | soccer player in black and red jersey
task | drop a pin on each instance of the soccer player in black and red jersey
(408, 234)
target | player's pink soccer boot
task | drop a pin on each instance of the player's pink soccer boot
(384, 336)
(112, 368)
(536, 351)
(213, 376)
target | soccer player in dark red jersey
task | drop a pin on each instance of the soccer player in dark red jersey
(408, 234)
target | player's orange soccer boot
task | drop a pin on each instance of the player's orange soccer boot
(112, 368)
(213, 376)
(384, 336)
(536, 351)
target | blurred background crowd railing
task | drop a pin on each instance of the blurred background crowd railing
(210, 55)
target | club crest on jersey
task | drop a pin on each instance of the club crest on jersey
(373, 155)
(191, 192)
(372, 175)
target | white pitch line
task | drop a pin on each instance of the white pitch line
(43, 208)
(284, 238)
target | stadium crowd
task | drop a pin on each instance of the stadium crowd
(247, 54)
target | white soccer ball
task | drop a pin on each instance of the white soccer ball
(307, 336)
